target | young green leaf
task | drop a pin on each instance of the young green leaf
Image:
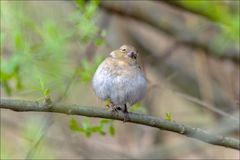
(104, 121)
(74, 125)
(111, 130)
(168, 116)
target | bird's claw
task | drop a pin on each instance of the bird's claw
(112, 108)
(125, 114)
(125, 117)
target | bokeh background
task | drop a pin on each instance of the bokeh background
(190, 53)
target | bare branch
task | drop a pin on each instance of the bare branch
(24, 106)
(207, 13)
(169, 24)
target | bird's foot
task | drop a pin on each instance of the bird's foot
(125, 117)
(125, 114)
(113, 108)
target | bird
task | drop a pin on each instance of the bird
(120, 80)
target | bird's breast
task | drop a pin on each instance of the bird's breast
(120, 82)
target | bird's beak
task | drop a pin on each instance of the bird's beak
(132, 54)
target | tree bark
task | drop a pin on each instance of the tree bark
(48, 106)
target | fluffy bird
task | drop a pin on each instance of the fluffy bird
(120, 80)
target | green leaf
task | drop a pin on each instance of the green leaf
(81, 4)
(12, 65)
(91, 9)
(104, 121)
(74, 125)
(96, 129)
(7, 87)
(138, 108)
(168, 116)
(19, 84)
(111, 130)
(85, 125)
(44, 90)
(87, 69)
(42, 84)
(99, 41)
(19, 41)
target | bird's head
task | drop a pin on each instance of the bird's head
(127, 52)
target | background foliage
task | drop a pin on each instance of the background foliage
(53, 49)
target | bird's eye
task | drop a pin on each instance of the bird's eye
(123, 50)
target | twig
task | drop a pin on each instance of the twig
(24, 106)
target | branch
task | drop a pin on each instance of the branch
(199, 8)
(170, 24)
(24, 106)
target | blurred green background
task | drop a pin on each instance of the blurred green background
(190, 52)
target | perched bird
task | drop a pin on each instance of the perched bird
(120, 80)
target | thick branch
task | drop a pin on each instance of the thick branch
(171, 24)
(199, 10)
(21, 106)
